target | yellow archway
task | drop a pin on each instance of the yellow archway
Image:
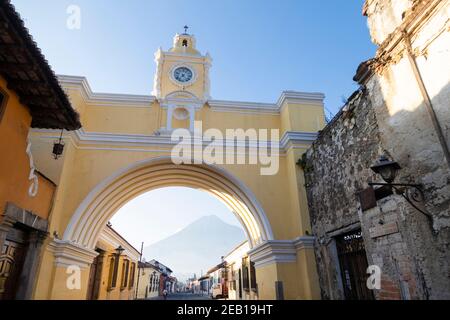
(113, 193)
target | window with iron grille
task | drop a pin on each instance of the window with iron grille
(245, 274)
(125, 270)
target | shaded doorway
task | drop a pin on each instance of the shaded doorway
(353, 265)
(11, 263)
(95, 276)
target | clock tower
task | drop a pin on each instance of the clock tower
(181, 82)
(182, 69)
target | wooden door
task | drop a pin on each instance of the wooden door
(11, 262)
(95, 277)
(353, 265)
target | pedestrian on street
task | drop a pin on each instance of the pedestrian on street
(165, 294)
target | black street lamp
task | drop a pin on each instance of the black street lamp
(386, 169)
(412, 193)
(58, 147)
(119, 251)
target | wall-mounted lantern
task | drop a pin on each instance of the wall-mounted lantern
(58, 147)
(386, 169)
(119, 251)
(412, 193)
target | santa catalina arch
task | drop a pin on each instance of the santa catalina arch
(124, 149)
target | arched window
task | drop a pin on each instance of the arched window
(185, 43)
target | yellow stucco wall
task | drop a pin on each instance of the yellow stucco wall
(284, 202)
(144, 283)
(87, 163)
(15, 163)
(118, 292)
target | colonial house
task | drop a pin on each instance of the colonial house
(149, 281)
(113, 275)
(241, 274)
(30, 97)
(166, 281)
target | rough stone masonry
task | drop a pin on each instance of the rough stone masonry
(389, 116)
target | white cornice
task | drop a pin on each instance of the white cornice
(306, 242)
(287, 97)
(104, 99)
(182, 55)
(189, 99)
(273, 252)
(296, 97)
(291, 139)
(243, 107)
(81, 138)
(69, 254)
(280, 251)
(144, 101)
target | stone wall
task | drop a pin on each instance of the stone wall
(412, 256)
(336, 168)
(389, 116)
(384, 16)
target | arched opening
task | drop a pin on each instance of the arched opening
(189, 231)
(88, 223)
(113, 193)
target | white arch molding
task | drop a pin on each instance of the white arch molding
(126, 184)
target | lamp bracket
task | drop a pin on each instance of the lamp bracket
(412, 193)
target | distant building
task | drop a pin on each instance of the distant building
(113, 275)
(193, 284)
(241, 274)
(167, 281)
(149, 281)
(218, 281)
(205, 284)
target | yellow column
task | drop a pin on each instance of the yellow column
(285, 269)
(64, 272)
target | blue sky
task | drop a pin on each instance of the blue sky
(259, 48)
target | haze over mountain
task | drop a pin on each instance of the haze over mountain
(196, 248)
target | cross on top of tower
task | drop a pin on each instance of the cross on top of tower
(186, 29)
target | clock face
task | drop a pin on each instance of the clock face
(183, 74)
